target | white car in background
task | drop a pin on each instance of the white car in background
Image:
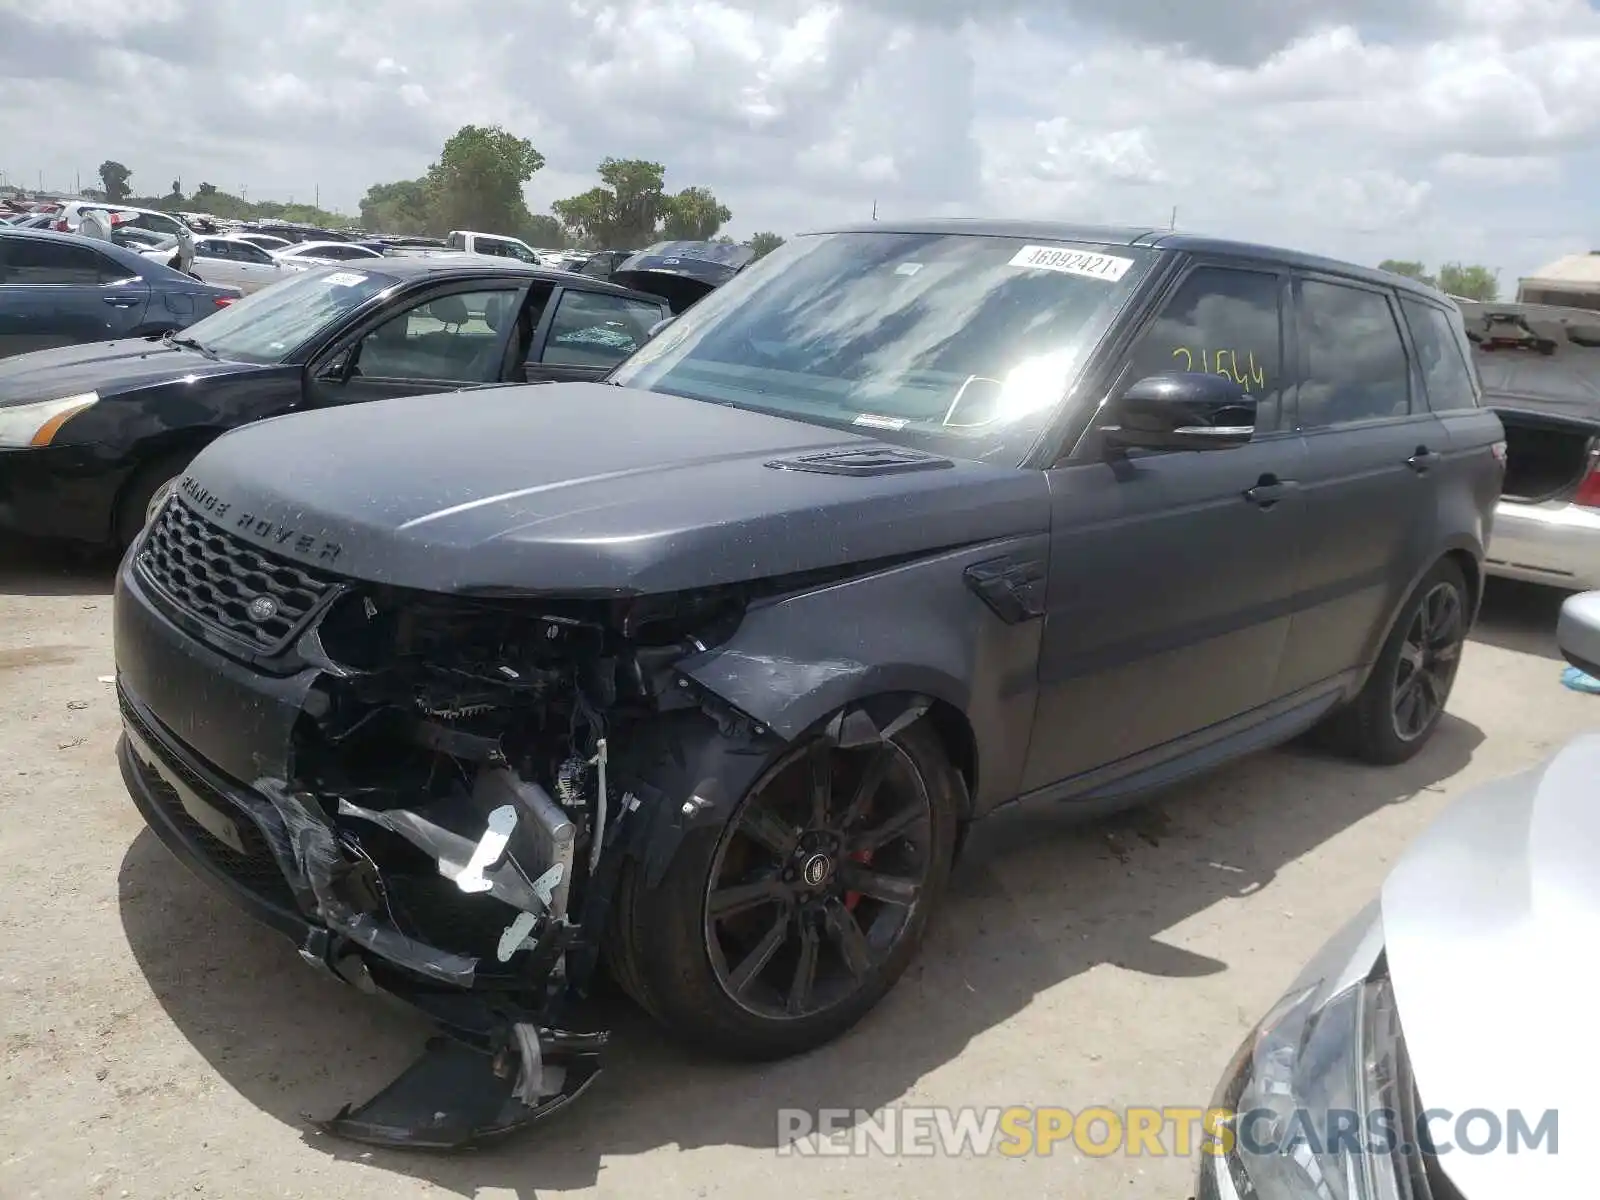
(306, 256)
(494, 245)
(267, 241)
(234, 262)
(70, 220)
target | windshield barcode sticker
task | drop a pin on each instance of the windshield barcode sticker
(344, 279)
(1073, 262)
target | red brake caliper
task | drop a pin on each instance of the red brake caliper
(851, 899)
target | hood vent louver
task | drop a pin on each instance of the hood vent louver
(869, 460)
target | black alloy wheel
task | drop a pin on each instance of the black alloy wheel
(818, 878)
(1426, 667)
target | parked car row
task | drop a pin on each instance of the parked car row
(107, 426)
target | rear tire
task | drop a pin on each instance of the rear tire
(1401, 703)
(809, 930)
(143, 492)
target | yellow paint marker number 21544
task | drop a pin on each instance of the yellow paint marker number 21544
(1225, 363)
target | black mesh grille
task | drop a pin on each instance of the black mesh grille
(213, 576)
(256, 869)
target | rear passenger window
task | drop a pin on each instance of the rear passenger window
(45, 263)
(1355, 363)
(1225, 322)
(1444, 370)
(590, 329)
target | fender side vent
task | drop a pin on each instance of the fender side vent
(870, 460)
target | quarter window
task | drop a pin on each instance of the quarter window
(590, 329)
(1225, 322)
(1444, 370)
(1355, 363)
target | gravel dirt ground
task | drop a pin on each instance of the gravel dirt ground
(158, 1044)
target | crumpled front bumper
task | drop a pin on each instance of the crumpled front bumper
(275, 855)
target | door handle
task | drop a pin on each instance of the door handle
(1269, 489)
(121, 301)
(1423, 459)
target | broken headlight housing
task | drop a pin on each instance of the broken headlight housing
(1320, 1103)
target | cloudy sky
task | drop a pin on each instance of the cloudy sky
(1432, 129)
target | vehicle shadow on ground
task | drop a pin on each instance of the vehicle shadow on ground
(30, 568)
(1037, 899)
(1520, 617)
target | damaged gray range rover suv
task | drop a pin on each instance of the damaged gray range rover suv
(701, 672)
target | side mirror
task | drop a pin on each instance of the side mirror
(337, 368)
(1183, 410)
(1578, 632)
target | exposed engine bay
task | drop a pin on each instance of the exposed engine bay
(452, 808)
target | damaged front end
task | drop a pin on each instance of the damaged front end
(447, 816)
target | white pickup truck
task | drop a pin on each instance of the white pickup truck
(496, 245)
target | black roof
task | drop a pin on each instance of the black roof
(1137, 235)
(450, 266)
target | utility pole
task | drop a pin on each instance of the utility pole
(1173, 224)
(317, 196)
(874, 210)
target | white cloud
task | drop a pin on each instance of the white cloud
(1439, 129)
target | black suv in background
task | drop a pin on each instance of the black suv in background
(707, 666)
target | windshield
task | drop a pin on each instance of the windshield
(963, 344)
(268, 326)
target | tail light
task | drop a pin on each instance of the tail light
(1589, 490)
(61, 227)
(222, 301)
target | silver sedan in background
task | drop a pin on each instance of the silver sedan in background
(307, 256)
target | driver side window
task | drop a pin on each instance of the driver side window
(455, 338)
(1221, 321)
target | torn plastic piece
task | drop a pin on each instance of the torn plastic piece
(453, 1097)
(491, 846)
(852, 728)
(507, 882)
(1580, 681)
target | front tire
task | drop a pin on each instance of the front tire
(143, 494)
(1400, 705)
(776, 933)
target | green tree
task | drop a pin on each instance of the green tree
(477, 182)
(624, 212)
(1468, 282)
(764, 243)
(694, 215)
(114, 177)
(544, 231)
(399, 207)
(1411, 270)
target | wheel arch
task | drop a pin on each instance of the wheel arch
(1467, 555)
(919, 629)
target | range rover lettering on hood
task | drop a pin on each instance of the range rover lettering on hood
(588, 489)
(280, 537)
